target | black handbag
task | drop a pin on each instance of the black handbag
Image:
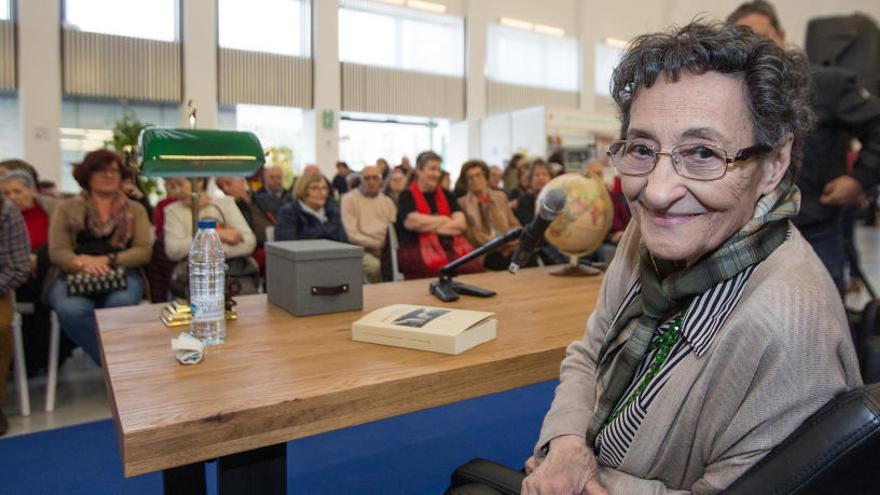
(86, 284)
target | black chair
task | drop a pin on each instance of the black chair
(836, 450)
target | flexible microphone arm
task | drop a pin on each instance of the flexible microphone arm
(447, 289)
(449, 268)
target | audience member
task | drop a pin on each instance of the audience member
(10, 165)
(513, 172)
(488, 214)
(539, 174)
(311, 215)
(383, 167)
(340, 182)
(366, 215)
(495, 177)
(133, 190)
(273, 195)
(445, 180)
(406, 166)
(14, 270)
(843, 108)
(522, 187)
(159, 268)
(93, 233)
(430, 224)
(395, 184)
(256, 217)
(353, 181)
(36, 209)
(622, 214)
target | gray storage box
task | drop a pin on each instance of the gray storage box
(315, 277)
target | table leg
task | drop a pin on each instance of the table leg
(262, 471)
(184, 480)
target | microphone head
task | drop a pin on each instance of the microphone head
(552, 204)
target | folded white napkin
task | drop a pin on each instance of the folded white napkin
(189, 350)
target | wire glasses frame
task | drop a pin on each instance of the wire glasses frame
(705, 162)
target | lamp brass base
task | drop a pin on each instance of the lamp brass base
(177, 314)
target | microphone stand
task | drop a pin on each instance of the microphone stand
(447, 289)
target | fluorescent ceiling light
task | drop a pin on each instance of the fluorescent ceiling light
(393, 2)
(551, 30)
(516, 23)
(428, 6)
(615, 42)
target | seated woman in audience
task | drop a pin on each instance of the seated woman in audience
(622, 215)
(717, 330)
(19, 188)
(430, 225)
(539, 174)
(92, 233)
(310, 215)
(258, 219)
(160, 267)
(395, 184)
(513, 173)
(488, 215)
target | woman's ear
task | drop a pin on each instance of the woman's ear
(775, 165)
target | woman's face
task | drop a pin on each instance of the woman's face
(540, 178)
(107, 180)
(316, 194)
(429, 175)
(397, 182)
(177, 188)
(684, 219)
(21, 195)
(476, 180)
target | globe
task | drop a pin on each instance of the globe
(585, 220)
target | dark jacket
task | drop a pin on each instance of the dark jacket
(295, 224)
(271, 203)
(843, 110)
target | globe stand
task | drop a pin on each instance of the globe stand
(575, 269)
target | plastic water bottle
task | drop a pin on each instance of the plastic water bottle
(207, 283)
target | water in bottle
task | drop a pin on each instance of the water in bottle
(207, 267)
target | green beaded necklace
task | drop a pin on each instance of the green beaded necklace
(664, 342)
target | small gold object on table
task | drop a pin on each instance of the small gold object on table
(177, 313)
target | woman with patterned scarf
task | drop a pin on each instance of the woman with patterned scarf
(430, 225)
(93, 234)
(717, 330)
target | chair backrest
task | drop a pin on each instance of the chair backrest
(835, 450)
(270, 233)
(394, 246)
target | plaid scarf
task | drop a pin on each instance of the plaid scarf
(120, 223)
(627, 341)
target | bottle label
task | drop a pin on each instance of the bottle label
(208, 309)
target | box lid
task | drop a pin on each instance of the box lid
(320, 249)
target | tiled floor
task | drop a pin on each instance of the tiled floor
(81, 396)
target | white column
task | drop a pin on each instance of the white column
(199, 38)
(322, 122)
(39, 85)
(477, 17)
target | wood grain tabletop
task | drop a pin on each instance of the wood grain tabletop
(279, 377)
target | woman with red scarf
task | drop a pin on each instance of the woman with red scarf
(430, 224)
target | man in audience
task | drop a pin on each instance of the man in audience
(843, 109)
(340, 181)
(495, 176)
(272, 196)
(15, 266)
(256, 217)
(366, 215)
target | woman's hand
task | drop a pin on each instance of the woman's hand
(93, 265)
(569, 468)
(33, 265)
(230, 235)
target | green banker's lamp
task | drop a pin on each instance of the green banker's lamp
(196, 154)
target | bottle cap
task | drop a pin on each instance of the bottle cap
(207, 224)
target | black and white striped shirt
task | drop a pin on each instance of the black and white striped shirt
(701, 322)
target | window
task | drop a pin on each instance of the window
(271, 26)
(5, 10)
(277, 127)
(515, 56)
(607, 58)
(366, 137)
(87, 125)
(155, 20)
(401, 38)
(10, 129)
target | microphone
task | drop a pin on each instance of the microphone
(533, 233)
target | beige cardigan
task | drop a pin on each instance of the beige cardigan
(501, 217)
(784, 351)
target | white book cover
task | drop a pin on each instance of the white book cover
(426, 328)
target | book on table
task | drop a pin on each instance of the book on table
(426, 328)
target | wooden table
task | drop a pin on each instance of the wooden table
(279, 377)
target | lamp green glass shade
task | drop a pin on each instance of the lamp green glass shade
(168, 152)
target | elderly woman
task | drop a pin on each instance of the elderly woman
(430, 224)
(93, 233)
(395, 184)
(488, 214)
(19, 188)
(310, 215)
(717, 330)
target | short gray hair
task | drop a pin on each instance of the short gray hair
(19, 175)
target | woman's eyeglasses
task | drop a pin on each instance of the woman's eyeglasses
(693, 161)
